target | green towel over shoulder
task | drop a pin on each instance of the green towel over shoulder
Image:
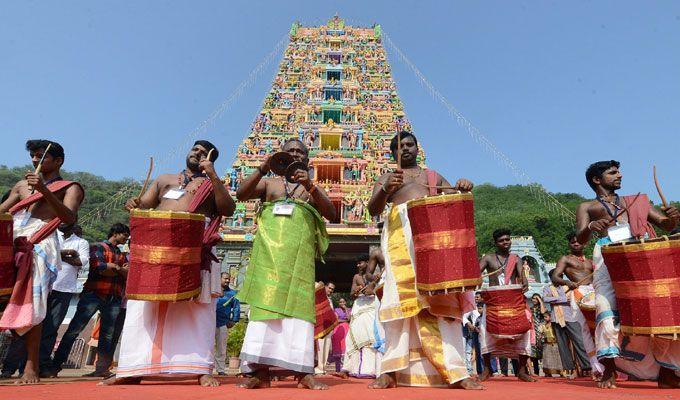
(279, 281)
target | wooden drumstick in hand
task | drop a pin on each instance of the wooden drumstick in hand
(39, 167)
(146, 181)
(658, 189)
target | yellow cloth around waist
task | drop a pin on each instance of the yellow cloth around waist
(165, 254)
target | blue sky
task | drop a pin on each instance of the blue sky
(555, 85)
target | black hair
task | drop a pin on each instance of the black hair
(362, 257)
(330, 283)
(304, 146)
(500, 232)
(5, 196)
(209, 146)
(118, 228)
(394, 143)
(595, 170)
(570, 236)
(56, 151)
(225, 273)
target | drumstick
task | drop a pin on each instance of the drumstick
(491, 273)
(398, 151)
(581, 282)
(658, 189)
(146, 181)
(39, 167)
(209, 154)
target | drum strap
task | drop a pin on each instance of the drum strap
(431, 181)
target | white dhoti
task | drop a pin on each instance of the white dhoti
(640, 356)
(46, 264)
(424, 343)
(170, 338)
(363, 357)
(286, 343)
(502, 346)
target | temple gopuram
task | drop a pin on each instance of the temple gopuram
(335, 92)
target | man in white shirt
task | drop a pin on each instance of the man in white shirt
(471, 322)
(75, 255)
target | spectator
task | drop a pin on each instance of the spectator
(471, 321)
(75, 255)
(102, 292)
(228, 313)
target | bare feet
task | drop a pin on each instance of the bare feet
(341, 374)
(130, 380)
(485, 375)
(28, 378)
(384, 381)
(608, 380)
(668, 379)
(467, 384)
(259, 380)
(208, 381)
(98, 374)
(523, 375)
(308, 382)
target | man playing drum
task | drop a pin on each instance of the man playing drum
(290, 236)
(38, 203)
(581, 296)
(408, 316)
(161, 337)
(614, 219)
(502, 270)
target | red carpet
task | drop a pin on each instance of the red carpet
(352, 389)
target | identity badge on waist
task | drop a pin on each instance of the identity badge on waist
(173, 194)
(619, 232)
(284, 209)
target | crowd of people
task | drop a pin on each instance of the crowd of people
(393, 333)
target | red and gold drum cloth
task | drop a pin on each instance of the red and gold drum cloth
(7, 270)
(165, 255)
(506, 311)
(646, 279)
(443, 229)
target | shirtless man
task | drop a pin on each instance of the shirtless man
(190, 320)
(575, 265)
(360, 283)
(409, 182)
(61, 200)
(579, 270)
(634, 216)
(296, 206)
(498, 266)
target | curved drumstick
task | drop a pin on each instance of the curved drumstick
(581, 282)
(658, 189)
(39, 167)
(146, 181)
(492, 273)
(209, 154)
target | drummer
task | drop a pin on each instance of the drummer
(615, 218)
(187, 348)
(290, 235)
(35, 201)
(579, 269)
(502, 269)
(402, 309)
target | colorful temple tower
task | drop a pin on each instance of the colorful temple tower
(334, 91)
